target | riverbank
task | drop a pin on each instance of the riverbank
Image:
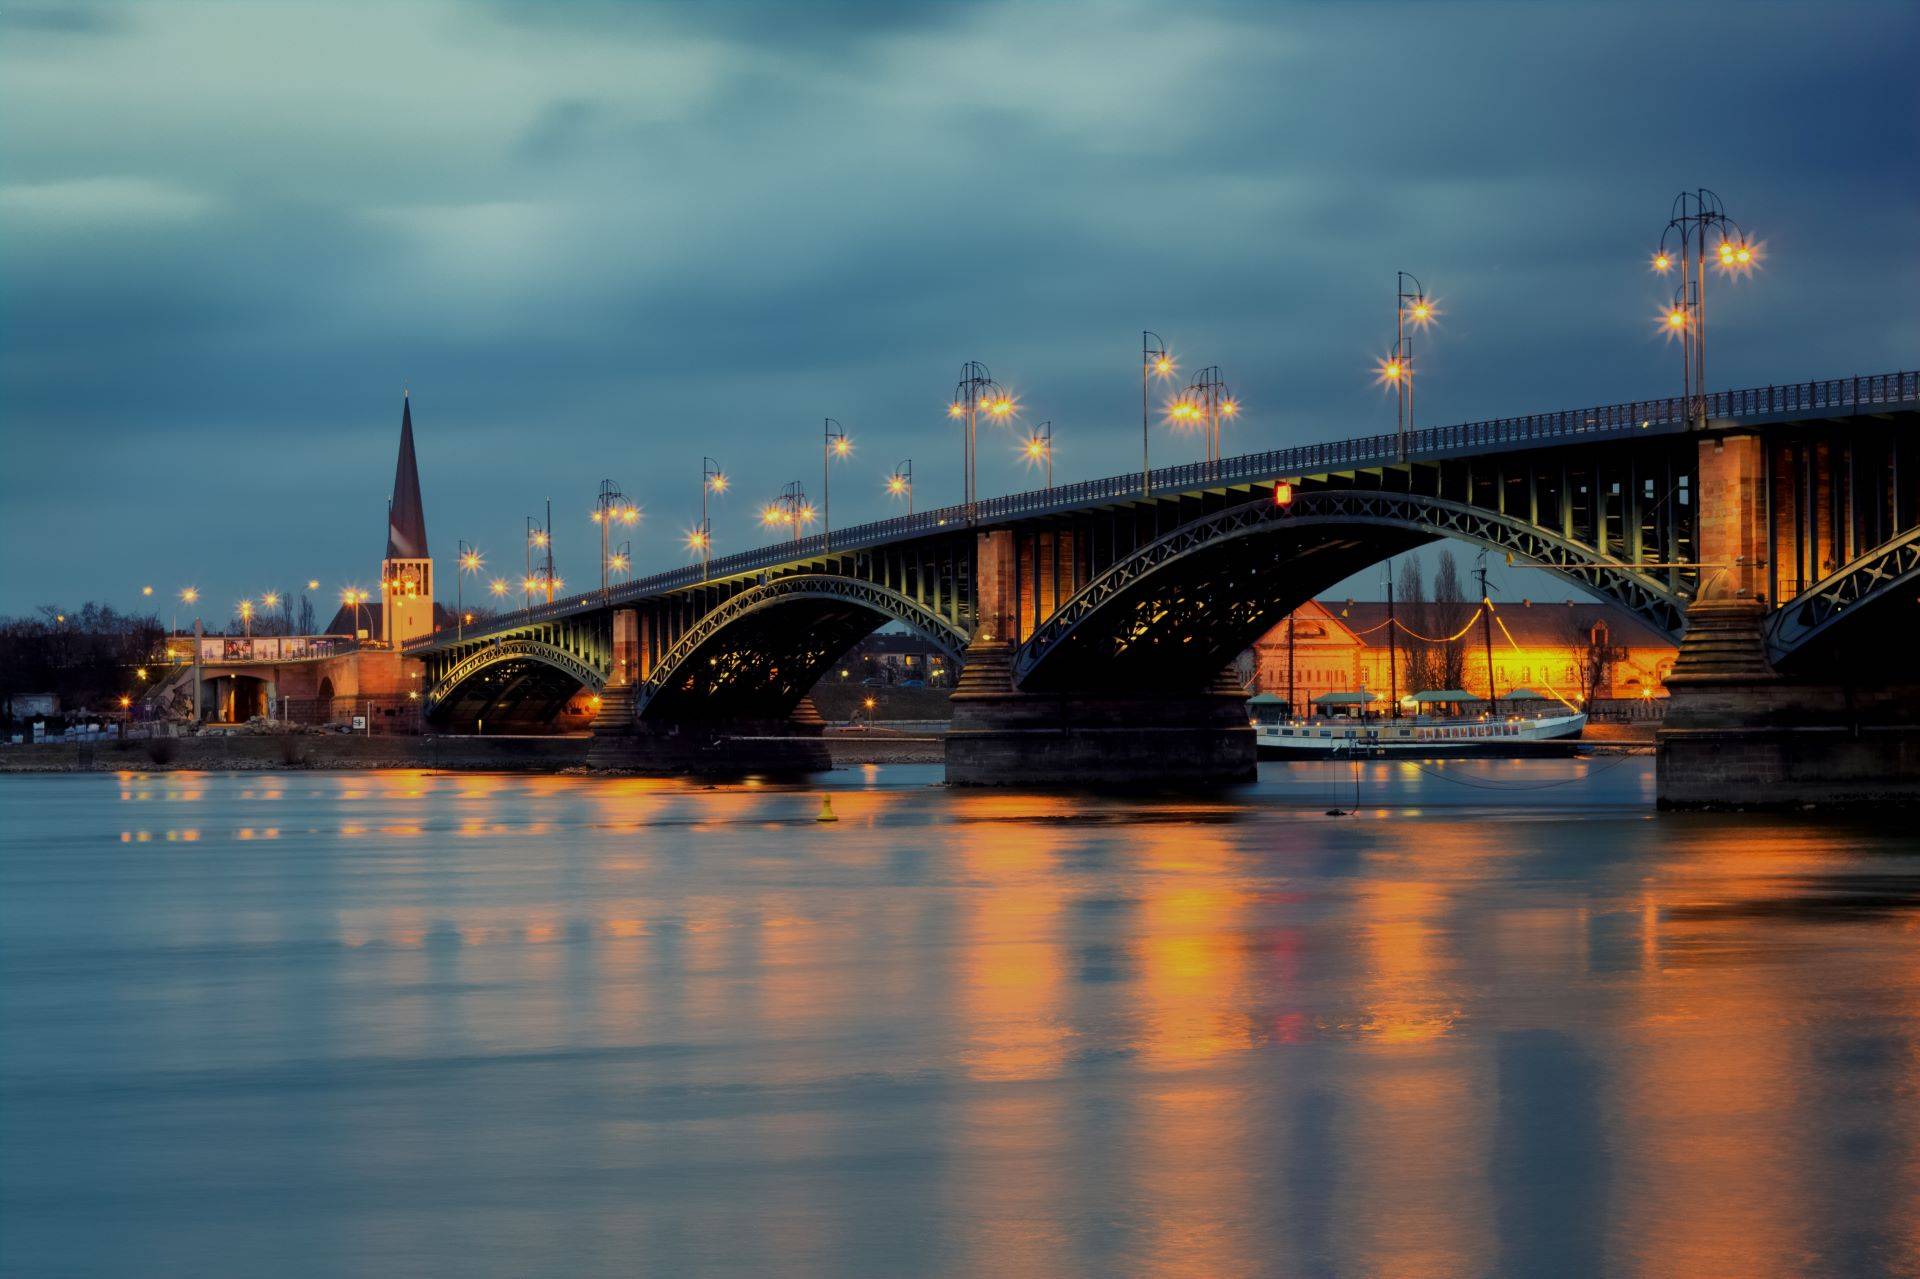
(912, 743)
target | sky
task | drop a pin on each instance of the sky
(606, 240)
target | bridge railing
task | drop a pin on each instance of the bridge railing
(1833, 394)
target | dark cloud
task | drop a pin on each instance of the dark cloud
(604, 240)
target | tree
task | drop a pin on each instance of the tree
(1416, 620)
(1594, 656)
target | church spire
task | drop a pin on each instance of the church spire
(406, 518)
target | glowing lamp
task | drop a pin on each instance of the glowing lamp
(1283, 494)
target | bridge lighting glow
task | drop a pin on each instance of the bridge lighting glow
(1229, 408)
(697, 540)
(1163, 366)
(1422, 311)
(1662, 262)
(498, 587)
(1283, 494)
(271, 599)
(146, 590)
(629, 514)
(313, 583)
(530, 585)
(617, 562)
(956, 410)
(805, 515)
(717, 482)
(773, 515)
(1392, 370)
(841, 446)
(470, 561)
(896, 484)
(1677, 319)
(189, 595)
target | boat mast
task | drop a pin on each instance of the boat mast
(1393, 653)
(1486, 628)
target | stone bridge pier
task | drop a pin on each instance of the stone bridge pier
(1838, 725)
(1002, 736)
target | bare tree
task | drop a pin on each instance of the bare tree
(1450, 613)
(1416, 619)
(1594, 656)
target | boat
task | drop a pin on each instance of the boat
(1342, 729)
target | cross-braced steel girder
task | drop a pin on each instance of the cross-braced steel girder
(1198, 579)
(512, 650)
(1879, 574)
(767, 645)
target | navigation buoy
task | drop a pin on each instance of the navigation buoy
(826, 810)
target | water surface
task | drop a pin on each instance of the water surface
(1504, 1020)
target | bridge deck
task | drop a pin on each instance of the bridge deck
(1753, 406)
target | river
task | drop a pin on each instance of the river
(1502, 1019)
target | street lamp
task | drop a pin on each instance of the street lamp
(540, 538)
(609, 509)
(246, 617)
(1205, 402)
(356, 598)
(1684, 244)
(470, 562)
(974, 394)
(790, 508)
(1155, 361)
(900, 483)
(1039, 447)
(833, 443)
(713, 481)
(1413, 309)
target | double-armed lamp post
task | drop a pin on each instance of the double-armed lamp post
(1205, 402)
(470, 562)
(1683, 244)
(1412, 310)
(974, 394)
(611, 507)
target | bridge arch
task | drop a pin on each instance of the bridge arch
(755, 656)
(1884, 576)
(511, 682)
(1175, 612)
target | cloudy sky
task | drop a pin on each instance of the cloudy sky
(601, 240)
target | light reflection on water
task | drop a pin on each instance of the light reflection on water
(1506, 1020)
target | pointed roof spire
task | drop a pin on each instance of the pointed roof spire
(406, 518)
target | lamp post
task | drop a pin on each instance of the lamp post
(356, 599)
(1412, 310)
(1693, 213)
(539, 538)
(611, 507)
(189, 596)
(246, 618)
(713, 481)
(1208, 399)
(833, 443)
(1155, 361)
(1039, 447)
(976, 392)
(790, 508)
(470, 562)
(900, 483)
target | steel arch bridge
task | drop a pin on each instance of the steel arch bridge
(756, 655)
(1150, 580)
(1163, 597)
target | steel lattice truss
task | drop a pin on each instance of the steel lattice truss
(1890, 567)
(513, 650)
(1237, 599)
(737, 652)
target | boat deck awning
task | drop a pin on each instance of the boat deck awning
(1446, 695)
(1345, 699)
(1266, 699)
(1526, 695)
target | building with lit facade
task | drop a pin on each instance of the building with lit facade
(1585, 653)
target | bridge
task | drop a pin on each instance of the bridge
(1095, 619)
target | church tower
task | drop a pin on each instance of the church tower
(406, 575)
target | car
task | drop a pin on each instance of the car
(913, 683)
(873, 681)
